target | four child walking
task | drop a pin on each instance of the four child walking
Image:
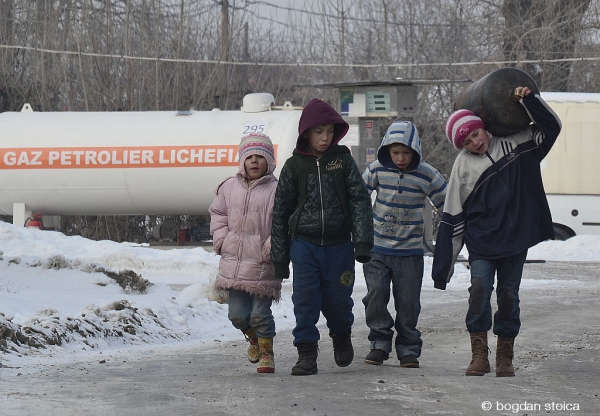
(318, 217)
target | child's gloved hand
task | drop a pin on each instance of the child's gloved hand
(282, 270)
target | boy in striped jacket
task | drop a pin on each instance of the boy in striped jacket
(403, 182)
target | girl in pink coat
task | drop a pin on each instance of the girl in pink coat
(241, 228)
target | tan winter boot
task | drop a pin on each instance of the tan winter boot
(267, 361)
(479, 349)
(504, 357)
(253, 349)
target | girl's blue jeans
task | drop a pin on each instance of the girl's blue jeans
(405, 275)
(507, 320)
(246, 310)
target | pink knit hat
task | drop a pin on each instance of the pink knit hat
(460, 124)
(257, 144)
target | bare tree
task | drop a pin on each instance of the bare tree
(543, 30)
(139, 55)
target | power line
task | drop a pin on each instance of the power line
(298, 64)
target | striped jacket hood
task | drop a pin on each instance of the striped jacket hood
(403, 132)
(402, 195)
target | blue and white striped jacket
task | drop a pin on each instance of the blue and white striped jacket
(401, 195)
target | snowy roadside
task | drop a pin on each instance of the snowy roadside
(63, 296)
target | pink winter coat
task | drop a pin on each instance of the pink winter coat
(241, 228)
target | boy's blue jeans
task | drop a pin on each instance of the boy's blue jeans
(507, 320)
(246, 310)
(323, 282)
(405, 274)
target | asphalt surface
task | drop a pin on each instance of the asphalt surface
(557, 364)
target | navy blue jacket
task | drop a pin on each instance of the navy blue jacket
(495, 202)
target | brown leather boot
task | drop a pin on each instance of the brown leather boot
(253, 349)
(479, 348)
(504, 357)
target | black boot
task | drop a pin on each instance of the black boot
(307, 359)
(343, 353)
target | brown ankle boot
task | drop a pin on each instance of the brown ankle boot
(267, 362)
(504, 357)
(253, 350)
(479, 349)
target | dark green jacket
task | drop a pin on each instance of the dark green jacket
(323, 201)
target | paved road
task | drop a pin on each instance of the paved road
(557, 363)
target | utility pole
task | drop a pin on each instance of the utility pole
(225, 30)
(342, 45)
(225, 49)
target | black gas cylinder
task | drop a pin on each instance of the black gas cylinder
(491, 98)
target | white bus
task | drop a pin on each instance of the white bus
(571, 171)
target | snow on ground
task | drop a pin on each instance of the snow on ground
(63, 296)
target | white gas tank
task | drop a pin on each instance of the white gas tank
(128, 163)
